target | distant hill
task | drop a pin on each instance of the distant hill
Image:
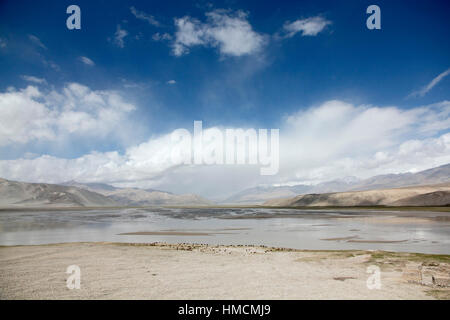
(428, 195)
(94, 187)
(259, 195)
(13, 193)
(141, 197)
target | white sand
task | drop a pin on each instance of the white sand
(122, 271)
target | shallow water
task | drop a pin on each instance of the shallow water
(426, 232)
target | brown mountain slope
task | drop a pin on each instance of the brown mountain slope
(430, 195)
(437, 198)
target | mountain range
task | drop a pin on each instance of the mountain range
(430, 188)
(141, 197)
(22, 194)
(75, 194)
(259, 195)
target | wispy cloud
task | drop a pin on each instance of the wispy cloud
(2, 43)
(47, 62)
(171, 82)
(86, 61)
(39, 54)
(33, 79)
(119, 36)
(144, 16)
(36, 41)
(308, 27)
(54, 66)
(230, 32)
(161, 36)
(430, 85)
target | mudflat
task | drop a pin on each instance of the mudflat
(195, 271)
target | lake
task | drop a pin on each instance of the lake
(425, 232)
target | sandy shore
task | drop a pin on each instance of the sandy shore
(163, 271)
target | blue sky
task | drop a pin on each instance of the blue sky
(219, 78)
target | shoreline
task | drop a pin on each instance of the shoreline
(199, 271)
(311, 208)
(197, 245)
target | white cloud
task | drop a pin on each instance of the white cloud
(144, 161)
(31, 115)
(36, 41)
(189, 33)
(119, 36)
(87, 61)
(2, 43)
(33, 79)
(430, 86)
(338, 139)
(144, 16)
(325, 142)
(308, 27)
(230, 32)
(171, 82)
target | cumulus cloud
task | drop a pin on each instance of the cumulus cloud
(87, 61)
(140, 162)
(119, 36)
(32, 115)
(321, 143)
(144, 16)
(308, 27)
(33, 79)
(430, 85)
(230, 32)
